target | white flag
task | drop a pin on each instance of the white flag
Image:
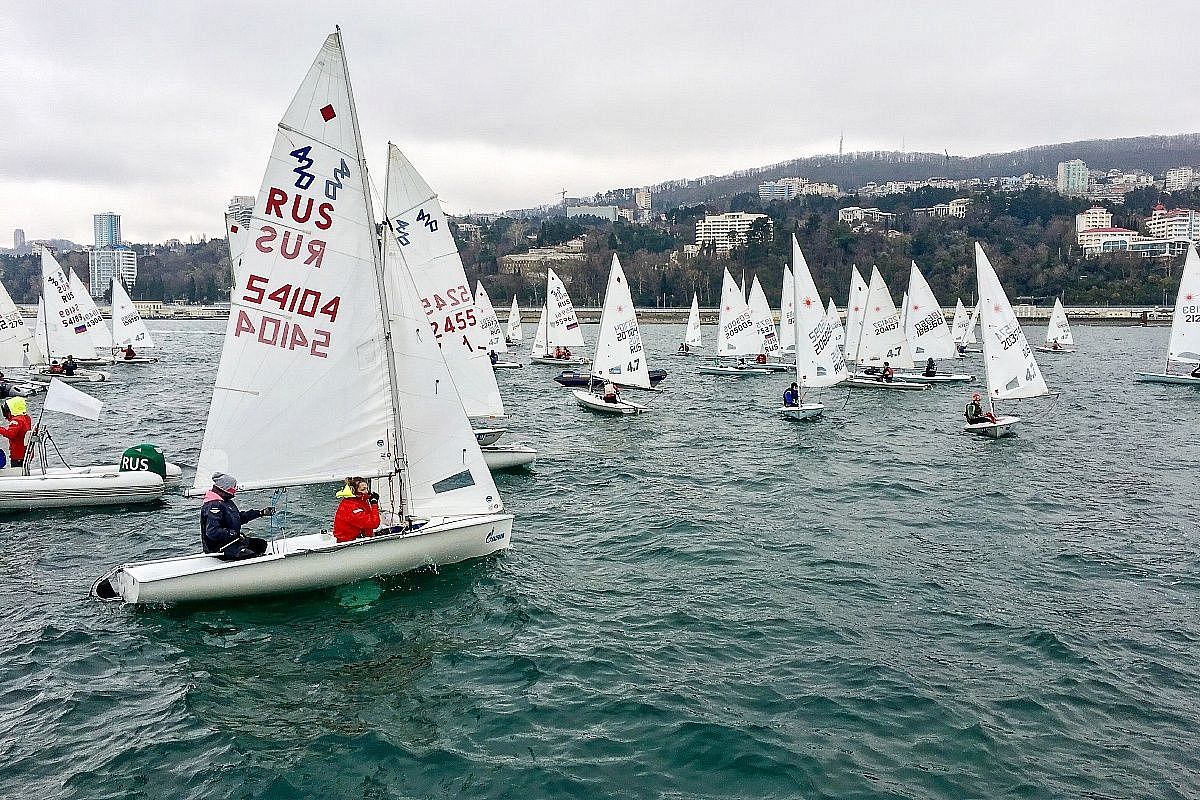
(69, 400)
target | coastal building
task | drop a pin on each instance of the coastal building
(1094, 217)
(107, 229)
(240, 208)
(1179, 179)
(955, 208)
(18, 240)
(105, 262)
(1179, 223)
(725, 231)
(538, 258)
(853, 214)
(642, 199)
(603, 212)
(789, 188)
(1072, 177)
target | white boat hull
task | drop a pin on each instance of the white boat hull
(136, 360)
(507, 365)
(79, 487)
(485, 436)
(895, 385)
(509, 456)
(596, 403)
(1044, 349)
(559, 362)
(740, 372)
(20, 389)
(994, 430)
(1162, 377)
(81, 376)
(941, 378)
(306, 563)
(803, 411)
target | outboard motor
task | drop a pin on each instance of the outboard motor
(144, 458)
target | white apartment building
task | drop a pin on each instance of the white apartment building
(105, 262)
(603, 212)
(240, 208)
(1094, 217)
(1179, 179)
(853, 214)
(1072, 177)
(1180, 223)
(642, 198)
(724, 231)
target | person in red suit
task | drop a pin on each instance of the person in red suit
(358, 513)
(16, 429)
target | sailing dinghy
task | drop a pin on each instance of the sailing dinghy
(928, 334)
(835, 322)
(692, 338)
(819, 360)
(769, 350)
(737, 337)
(879, 340)
(61, 328)
(1184, 345)
(619, 352)
(558, 329)
(400, 418)
(128, 327)
(787, 312)
(490, 324)
(1058, 332)
(512, 334)
(1012, 372)
(18, 349)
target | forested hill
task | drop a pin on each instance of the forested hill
(1150, 153)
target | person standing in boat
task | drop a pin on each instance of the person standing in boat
(791, 396)
(221, 522)
(930, 368)
(70, 365)
(358, 513)
(974, 412)
(16, 429)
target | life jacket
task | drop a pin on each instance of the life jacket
(355, 517)
(17, 431)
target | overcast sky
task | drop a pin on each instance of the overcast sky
(162, 110)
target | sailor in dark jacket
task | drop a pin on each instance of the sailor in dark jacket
(221, 522)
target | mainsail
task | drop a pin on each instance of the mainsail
(562, 325)
(882, 337)
(961, 320)
(63, 326)
(539, 338)
(736, 335)
(764, 322)
(619, 353)
(1059, 329)
(17, 345)
(97, 330)
(488, 321)
(819, 361)
(128, 326)
(856, 309)
(924, 325)
(514, 322)
(835, 321)
(1184, 344)
(693, 337)
(1011, 370)
(787, 311)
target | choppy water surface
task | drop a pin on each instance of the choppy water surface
(705, 601)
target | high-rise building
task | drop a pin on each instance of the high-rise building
(104, 263)
(240, 208)
(641, 198)
(1179, 179)
(1179, 223)
(18, 240)
(107, 229)
(1072, 177)
(724, 231)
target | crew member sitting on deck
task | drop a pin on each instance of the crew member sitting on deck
(930, 369)
(221, 522)
(492, 356)
(611, 393)
(683, 348)
(886, 373)
(975, 413)
(761, 358)
(1054, 345)
(16, 430)
(129, 354)
(69, 366)
(962, 348)
(55, 367)
(358, 513)
(791, 396)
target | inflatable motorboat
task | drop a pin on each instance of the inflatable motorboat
(141, 476)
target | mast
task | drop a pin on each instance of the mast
(376, 253)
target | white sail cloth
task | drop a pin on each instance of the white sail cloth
(736, 334)
(764, 322)
(562, 325)
(18, 348)
(64, 329)
(1059, 329)
(835, 321)
(856, 309)
(619, 352)
(882, 337)
(128, 326)
(819, 360)
(489, 323)
(693, 336)
(1184, 344)
(925, 327)
(787, 309)
(1012, 372)
(514, 322)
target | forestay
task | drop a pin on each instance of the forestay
(924, 325)
(1059, 329)
(787, 311)
(764, 322)
(514, 322)
(736, 335)
(539, 338)
(856, 309)
(63, 328)
(489, 323)
(562, 326)
(693, 336)
(128, 326)
(835, 321)
(427, 251)
(1184, 344)
(1012, 372)
(97, 330)
(819, 361)
(619, 353)
(302, 393)
(882, 338)
(17, 345)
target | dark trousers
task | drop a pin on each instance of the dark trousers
(246, 547)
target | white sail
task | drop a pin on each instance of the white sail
(925, 326)
(835, 321)
(237, 237)
(39, 330)
(1011, 370)
(787, 312)
(488, 321)
(856, 310)
(1184, 344)
(1059, 329)
(764, 322)
(819, 361)
(972, 326)
(961, 320)
(736, 335)
(693, 336)
(128, 326)
(97, 329)
(301, 393)
(64, 326)
(882, 337)
(562, 326)
(445, 473)
(539, 339)
(427, 250)
(514, 322)
(17, 345)
(619, 353)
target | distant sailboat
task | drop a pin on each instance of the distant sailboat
(1184, 344)
(737, 337)
(1012, 372)
(561, 330)
(692, 340)
(856, 309)
(512, 334)
(61, 329)
(928, 334)
(819, 361)
(881, 341)
(787, 310)
(620, 356)
(835, 321)
(490, 324)
(128, 328)
(1058, 332)
(764, 321)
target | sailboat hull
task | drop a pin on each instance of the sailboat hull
(563, 362)
(943, 378)
(1162, 377)
(485, 436)
(80, 487)
(507, 365)
(595, 403)
(305, 563)
(994, 430)
(41, 375)
(1044, 349)
(511, 456)
(895, 385)
(740, 372)
(803, 411)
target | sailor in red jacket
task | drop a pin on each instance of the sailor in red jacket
(358, 513)
(16, 429)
